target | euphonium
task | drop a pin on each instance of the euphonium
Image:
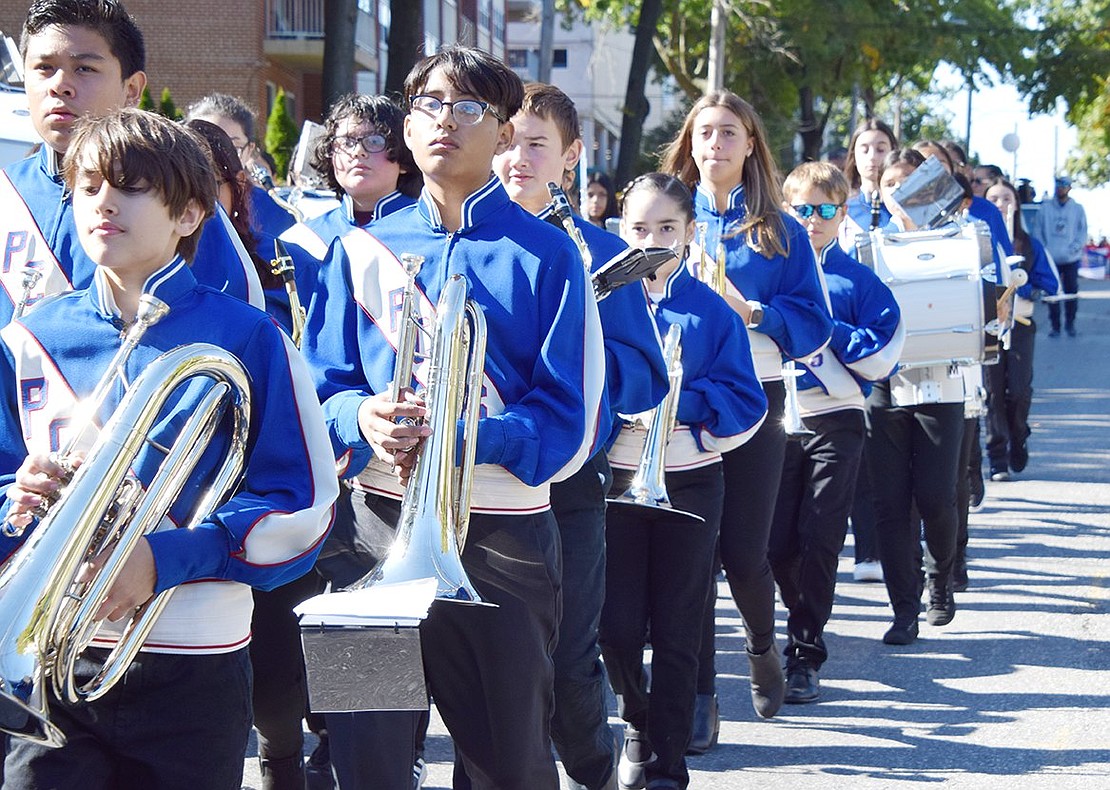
(649, 487)
(47, 596)
(282, 265)
(792, 414)
(435, 509)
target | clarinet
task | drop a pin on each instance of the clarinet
(876, 209)
(560, 206)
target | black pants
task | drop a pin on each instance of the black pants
(489, 670)
(863, 515)
(1009, 396)
(1069, 281)
(280, 686)
(815, 496)
(913, 457)
(655, 571)
(580, 727)
(752, 474)
(178, 722)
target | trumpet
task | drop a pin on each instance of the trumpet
(282, 266)
(649, 487)
(435, 509)
(47, 599)
(792, 414)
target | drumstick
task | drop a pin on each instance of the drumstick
(1018, 278)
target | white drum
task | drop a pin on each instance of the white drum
(937, 278)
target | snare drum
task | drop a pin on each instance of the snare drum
(936, 277)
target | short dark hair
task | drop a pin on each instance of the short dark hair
(227, 106)
(471, 71)
(108, 18)
(387, 119)
(131, 146)
(551, 104)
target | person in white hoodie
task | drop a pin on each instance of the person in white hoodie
(1061, 226)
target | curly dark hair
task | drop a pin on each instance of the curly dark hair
(388, 120)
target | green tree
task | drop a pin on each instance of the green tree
(145, 100)
(167, 108)
(281, 134)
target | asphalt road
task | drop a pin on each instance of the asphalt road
(1015, 692)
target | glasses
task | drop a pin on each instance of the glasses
(370, 143)
(466, 112)
(824, 210)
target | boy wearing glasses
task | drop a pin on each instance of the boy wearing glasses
(489, 670)
(819, 471)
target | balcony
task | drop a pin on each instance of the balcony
(295, 33)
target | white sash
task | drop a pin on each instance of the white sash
(25, 247)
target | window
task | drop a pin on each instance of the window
(559, 59)
(517, 59)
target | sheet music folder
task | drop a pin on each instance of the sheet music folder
(362, 647)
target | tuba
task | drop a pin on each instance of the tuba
(435, 509)
(47, 597)
(649, 488)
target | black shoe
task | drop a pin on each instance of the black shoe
(1071, 331)
(959, 579)
(942, 604)
(635, 756)
(1054, 332)
(767, 680)
(901, 633)
(978, 490)
(284, 774)
(707, 724)
(801, 684)
(1019, 456)
(999, 474)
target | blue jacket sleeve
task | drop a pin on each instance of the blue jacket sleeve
(271, 530)
(1041, 275)
(796, 316)
(866, 343)
(331, 349)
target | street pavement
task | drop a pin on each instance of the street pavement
(1015, 692)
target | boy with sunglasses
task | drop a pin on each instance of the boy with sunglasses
(819, 471)
(489, 670)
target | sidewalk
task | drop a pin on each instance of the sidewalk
(1015, 693)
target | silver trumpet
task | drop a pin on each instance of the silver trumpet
(649, 487)
(792, 414)
(435, 509)
(47, 594)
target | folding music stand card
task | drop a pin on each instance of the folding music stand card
(930, 195)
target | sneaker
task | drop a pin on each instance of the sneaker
(868, 570)
(1000, 474)
(635, 756)
(901, 633)
(1019, 456)
(942, 604)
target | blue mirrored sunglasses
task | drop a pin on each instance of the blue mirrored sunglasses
(824, 210)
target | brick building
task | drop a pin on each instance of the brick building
(250, 49)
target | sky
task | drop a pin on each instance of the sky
(1044, 142)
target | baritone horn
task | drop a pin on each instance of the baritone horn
(47, 595)
(649, 487)
(435, 508)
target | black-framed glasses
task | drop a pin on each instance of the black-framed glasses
(372, 143)
(824, 210)
(466, 112)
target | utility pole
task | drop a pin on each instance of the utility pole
(547, 40)
(718, 21)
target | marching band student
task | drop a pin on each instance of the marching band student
(819, 474)
(656, 563)
(84, 57)
(1010, 382)
(871, 142)
(601, 199)
(268, 219)
(545, 146)
(489, 670)
(772, 282)
(364, 157)
(915, 425)
(141, 187)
